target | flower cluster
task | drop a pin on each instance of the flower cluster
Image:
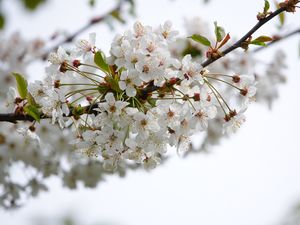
(139, 103)
(125, 110)
(15, 53)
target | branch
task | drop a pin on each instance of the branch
(238, 44)
(92, 22)
(13, 117)
(278, 38)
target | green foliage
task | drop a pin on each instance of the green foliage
(200, 39)
(190, 50)
(266, 7)
(281, 16)
(100, 61)
(219, 32)
(261, 40)
(33, 112)
(116, 15)
(92, 3)
(114, 84)
(21, 85)
(132, 7)
(2, 21)
(281, 19)
(258, 43)
(31, 100)
(32, 4)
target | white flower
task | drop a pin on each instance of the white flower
(234, 123)
(191, 70)
(85, 47)
(112, 106)
(55, 105)
(59, 57)
(144, 124)
(166, 31)
(148, 69)
(141, 30)
(26, 132)
(37, 90)
(128, 80)
(202, 116)
(248, 88)
(10, 99)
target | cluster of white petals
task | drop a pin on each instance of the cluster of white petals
(145, 101)
(112, 114)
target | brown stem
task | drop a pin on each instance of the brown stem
(13, 117)
(245, 37)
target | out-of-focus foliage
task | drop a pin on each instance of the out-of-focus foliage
(32, 4)
(293, 218)
(2, 21)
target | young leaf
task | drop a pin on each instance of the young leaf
(263, 39)
(281, 19)
(21, 85)
(114, 84)
(258, 43)
(200, 39)
(225, 40)
(31, 100)
(33, 112)
(281, 16)
(100, 61)
(116, 14)
(266, 7)
(32, 4)
(219, 32)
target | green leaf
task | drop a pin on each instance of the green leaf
(32, 4)
(92, 3)
(114, 84)
(2, 21)
(100, 61)
(33, 112)
(152, 102)
(31, 100)
(200, 39)
(219, 32)
(21, 85)
(116, 15)
(281, 16)
(281, 19)
(266, 7)
(263, 39)
(258, 43)
(190, 50)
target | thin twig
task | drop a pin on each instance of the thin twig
(92, 22)
(277, 39)
(245, 37)
(13, 118)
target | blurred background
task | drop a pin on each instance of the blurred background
(249, 179)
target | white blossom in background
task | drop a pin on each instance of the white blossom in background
(111, 118)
